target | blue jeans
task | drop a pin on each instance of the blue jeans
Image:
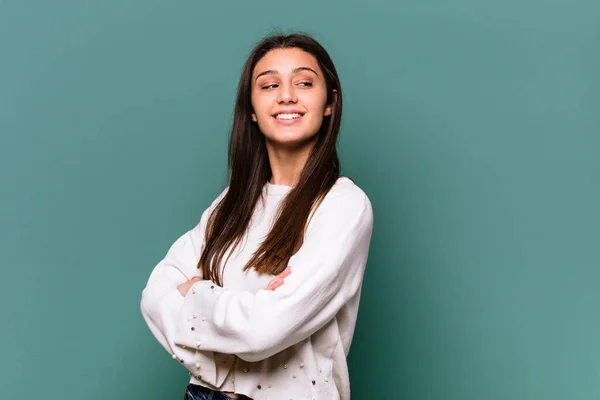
(196, 392)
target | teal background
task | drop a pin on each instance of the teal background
(473, 126)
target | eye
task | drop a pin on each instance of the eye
(305, 83)
(271, 86)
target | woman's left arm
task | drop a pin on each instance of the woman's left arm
(327, 272)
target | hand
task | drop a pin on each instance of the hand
(185, 286)
(278, 280)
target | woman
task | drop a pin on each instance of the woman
(260, 299)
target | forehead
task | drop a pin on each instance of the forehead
(285, 60)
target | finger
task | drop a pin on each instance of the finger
(183, 288)
(286, 272)
(275, 283)
(278, 282)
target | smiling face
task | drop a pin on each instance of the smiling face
(289, 97)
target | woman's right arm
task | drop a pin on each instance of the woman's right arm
(161, 300)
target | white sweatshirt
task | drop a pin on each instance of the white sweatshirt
(290, 343)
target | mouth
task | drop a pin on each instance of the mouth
(288, 118)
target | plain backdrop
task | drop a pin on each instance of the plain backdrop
(473, 126)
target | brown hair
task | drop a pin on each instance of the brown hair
(249, 171)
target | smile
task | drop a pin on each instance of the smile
(288, 118)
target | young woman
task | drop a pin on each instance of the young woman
(259, 300)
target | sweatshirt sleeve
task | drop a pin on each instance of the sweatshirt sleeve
(327, 271)
(161, 302)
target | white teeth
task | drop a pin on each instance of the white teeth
(288, 116)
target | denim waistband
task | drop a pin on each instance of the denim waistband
(197, 392)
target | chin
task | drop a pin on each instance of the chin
(291, 141)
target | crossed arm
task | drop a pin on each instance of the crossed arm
(328, 271)
(273, 284)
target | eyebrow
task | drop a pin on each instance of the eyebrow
(275, 72)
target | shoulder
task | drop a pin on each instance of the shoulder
(220, 197)
(345, 200)
(208, 211)
(347, 194)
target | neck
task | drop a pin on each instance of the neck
(287, 163)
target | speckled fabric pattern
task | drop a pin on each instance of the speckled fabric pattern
(288, 343)
(196, 392)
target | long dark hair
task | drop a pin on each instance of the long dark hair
(249, 171)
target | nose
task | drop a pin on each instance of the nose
(286, 93)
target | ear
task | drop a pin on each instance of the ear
(329, 108)
(254, 117)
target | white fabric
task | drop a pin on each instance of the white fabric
(290, 343)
